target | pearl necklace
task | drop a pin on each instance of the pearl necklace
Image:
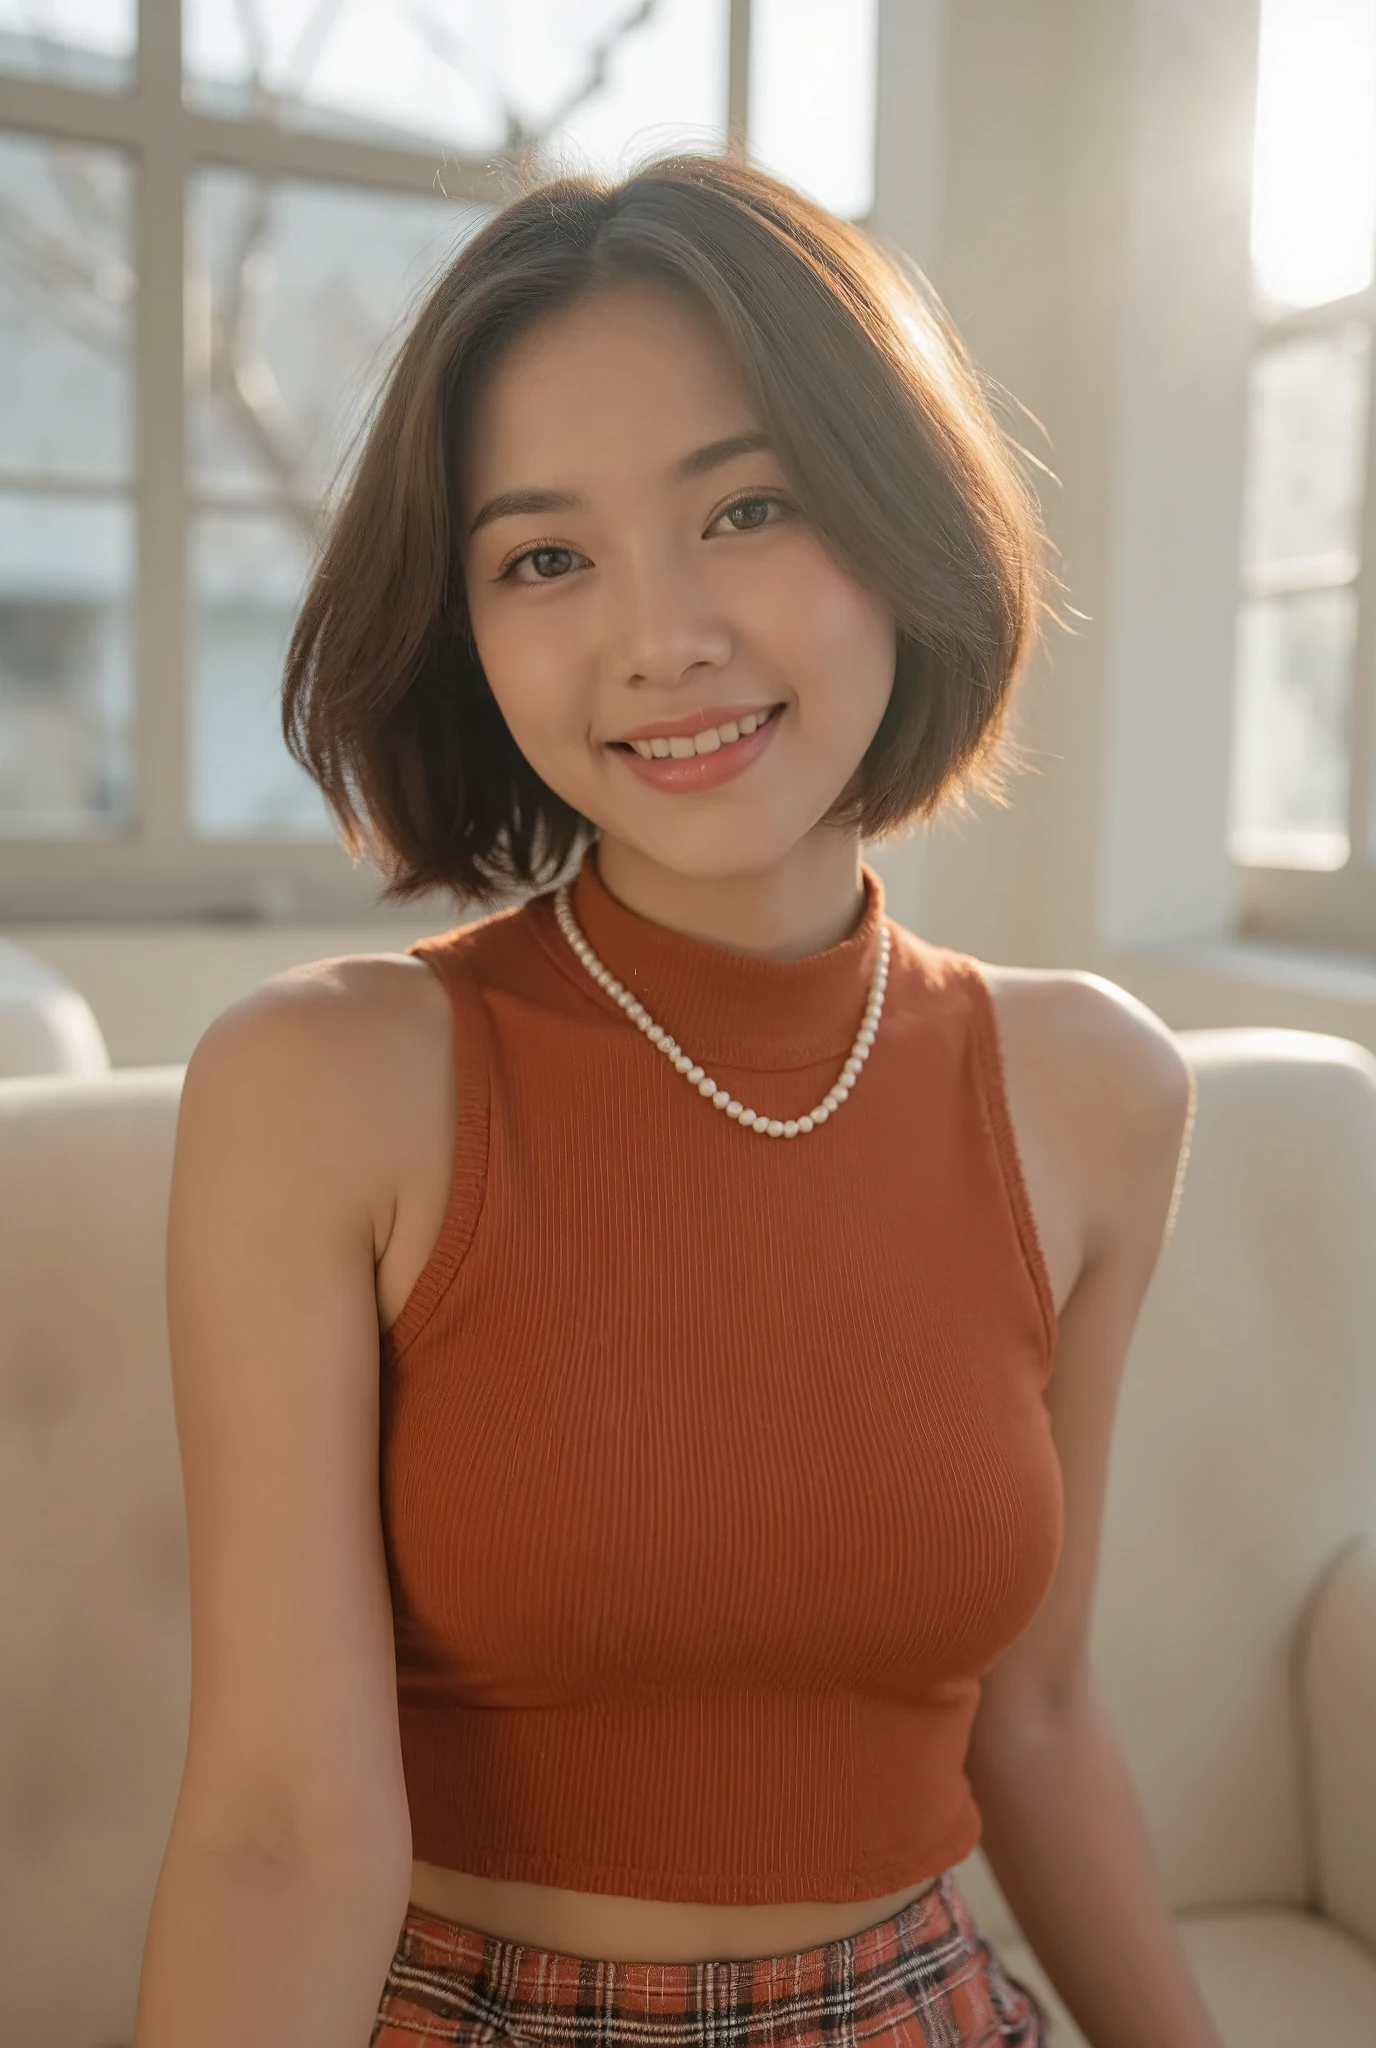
(696, 1076)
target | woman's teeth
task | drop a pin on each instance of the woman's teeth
(705, 743)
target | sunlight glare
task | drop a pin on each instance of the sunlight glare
(1314, 157)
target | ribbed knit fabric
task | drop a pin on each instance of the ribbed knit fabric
(716, 1468)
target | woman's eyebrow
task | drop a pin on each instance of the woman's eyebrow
(506, 504)
(509, 504)
(717, 452)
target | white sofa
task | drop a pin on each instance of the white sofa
(46, 1026)
(1235, 1624)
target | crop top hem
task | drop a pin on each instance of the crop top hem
(704, 1888)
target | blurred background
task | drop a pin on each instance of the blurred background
(1154, 222)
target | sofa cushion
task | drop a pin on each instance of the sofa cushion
(1270, 1978)
(95, 1675)
(1338, 1725)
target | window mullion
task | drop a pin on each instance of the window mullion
(161, 664)
(1362, 702)
(269, 149)
(910, 140)
(738, 77)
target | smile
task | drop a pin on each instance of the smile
(719, 754)
(680, 747)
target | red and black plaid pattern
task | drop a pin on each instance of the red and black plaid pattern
(926, 1979)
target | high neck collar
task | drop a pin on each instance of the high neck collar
(724, 1006)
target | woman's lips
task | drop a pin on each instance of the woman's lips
(702, 771)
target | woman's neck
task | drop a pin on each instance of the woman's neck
(809, 900)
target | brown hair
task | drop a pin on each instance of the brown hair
(879, 417)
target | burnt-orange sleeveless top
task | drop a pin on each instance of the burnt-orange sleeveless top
(716, 1467)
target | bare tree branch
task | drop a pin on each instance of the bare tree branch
(455, 51)
(75, 274)
(239, 374)
(272, 100)
(599, 59)
(255, 47)
(309, 46)
(74, 173)
(38, 23)
(71, 279)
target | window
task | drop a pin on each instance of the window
(1303, 799)
(291, 287)
(208, 247)
(66, 471)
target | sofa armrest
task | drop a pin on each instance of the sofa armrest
(46, 1026)
(1337, 1679)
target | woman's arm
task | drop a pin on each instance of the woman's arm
(277, 1952)
(287, 1871)
(1063, 1831)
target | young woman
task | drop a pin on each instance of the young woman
(645, 1360)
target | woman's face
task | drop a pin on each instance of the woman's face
(632, 560)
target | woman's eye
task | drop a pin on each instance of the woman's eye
(548, 564)
(748, 513)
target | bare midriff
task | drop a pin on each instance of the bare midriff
(601, 1926)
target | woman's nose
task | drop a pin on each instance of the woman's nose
(661, 621)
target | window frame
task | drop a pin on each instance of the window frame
(156, 868)
(1332, 906)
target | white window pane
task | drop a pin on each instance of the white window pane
(80, 42)
(294, 292)
(812, 97)
(1314, 160)
(66, 576)
(66, 312)
(1290, 731)
(665, 88)
(1306, 456)
(467, 73)
(248, 577)
(66, 561)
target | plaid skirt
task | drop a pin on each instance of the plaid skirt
(926, 1976)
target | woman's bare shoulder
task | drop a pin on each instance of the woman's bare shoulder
(1068, 1010)
(355, 1008)
(1082, 1033)
(368, 1035)
(1095, 1079)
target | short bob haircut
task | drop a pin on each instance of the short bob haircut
(878, 415)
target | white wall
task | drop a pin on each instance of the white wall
(1088, 233)
(1091, 194)
(155, 988)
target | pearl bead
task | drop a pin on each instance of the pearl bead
(697, 1076)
